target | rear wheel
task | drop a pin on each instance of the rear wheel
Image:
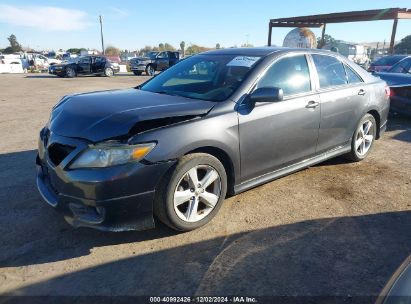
(363, 138)
(137, 73)
(192, 193)
(108, 72)
(70, 72)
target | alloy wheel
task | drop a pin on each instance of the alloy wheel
(197, 193)
(109, 72)
(364, 138)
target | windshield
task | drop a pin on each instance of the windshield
(208, 77)
(151, 55)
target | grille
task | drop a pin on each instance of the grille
(58, 152)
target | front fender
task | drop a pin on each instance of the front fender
(220, 131)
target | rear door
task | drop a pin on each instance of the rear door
(343, 96)
(276, 134)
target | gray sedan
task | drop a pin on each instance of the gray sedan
(214, 124)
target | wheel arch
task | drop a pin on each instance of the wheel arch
(377, 118)
(225, 159)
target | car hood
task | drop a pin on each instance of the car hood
(395, 79)
(103, 115)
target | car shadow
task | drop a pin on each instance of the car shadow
(347, 257)
(33, 232)
(41, 76)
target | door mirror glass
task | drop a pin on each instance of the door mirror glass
(267, 94)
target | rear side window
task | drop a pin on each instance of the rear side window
(352, 76)
(330, 71)
(290, 74)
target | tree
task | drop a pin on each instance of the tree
(247, 45)
(112, 51)
(328, 40)
(183, 48)
(14, 45)
(161, 46)
(76, 50)
(195, 49)
(404, 46)
(169, 47)
(218, 46)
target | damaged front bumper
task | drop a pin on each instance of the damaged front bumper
(117, 198)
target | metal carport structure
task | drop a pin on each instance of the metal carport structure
(320, 21)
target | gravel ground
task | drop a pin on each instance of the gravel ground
(336, 229)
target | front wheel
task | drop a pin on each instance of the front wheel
(108, 72)
(363, 138)
(191, 194)
(150, 70)
(70, 73)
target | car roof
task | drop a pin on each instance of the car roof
(263, 51)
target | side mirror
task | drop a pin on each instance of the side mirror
(267, 94)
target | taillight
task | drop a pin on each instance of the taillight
(387, 91)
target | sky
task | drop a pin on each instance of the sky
(133, 24)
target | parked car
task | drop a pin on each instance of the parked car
(398, 288)
(85, 65)
(153, 61)
(399, 81)
(220, 122)
(383, 64)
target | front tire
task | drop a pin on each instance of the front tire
(108, 72)
(70, 73)
(150, 71)
(191, 194)
(363, 138)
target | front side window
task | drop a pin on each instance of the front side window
(290, 74)
(208, 77)
(100, 60)
(330, 71)
(84, 60)
(352, 76)
(163, 55)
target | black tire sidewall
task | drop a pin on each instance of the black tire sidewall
(354, 153)
(180, 170)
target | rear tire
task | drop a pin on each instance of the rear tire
(137, 73)
(191, 193)
(363, 138)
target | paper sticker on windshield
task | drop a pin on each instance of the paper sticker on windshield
(243, 61)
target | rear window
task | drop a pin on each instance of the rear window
(330, 71)
(388, 60)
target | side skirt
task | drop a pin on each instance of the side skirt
(291, 168)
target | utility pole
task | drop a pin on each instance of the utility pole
(101, 32)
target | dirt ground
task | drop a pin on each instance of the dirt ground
(336, 229)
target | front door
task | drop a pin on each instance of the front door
(162, 61)
(84, 65)
(274, 135)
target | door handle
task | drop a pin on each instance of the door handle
(361, 92)
(312, 104)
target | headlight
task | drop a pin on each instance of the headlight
(106, 155)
